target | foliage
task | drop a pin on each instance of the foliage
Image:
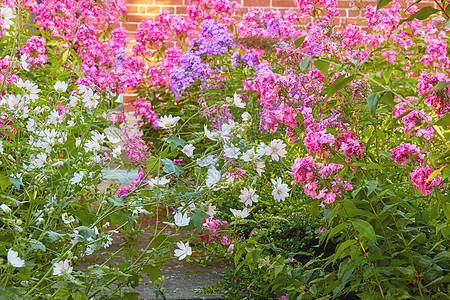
(355, 121)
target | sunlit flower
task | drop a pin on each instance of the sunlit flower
(159, 181)
(67, 219)
(206, 161)
(77, 178)
(281, 190)
(240, 213)
(60, 86)
(213, 176)
(5, 208)
(62, 268)
(276, 149)
(14, 259)
(167, 122)
(231, 152)
(188, 150)
(248, 196)
(183, 251)
(182, 219)
(238, 101)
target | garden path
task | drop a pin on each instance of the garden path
(183, 280)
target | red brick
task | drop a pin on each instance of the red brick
(132, 9)
(283, 3)
(354, 13)
(171, 10)
(258, 3)
(181, 10)
(168, 2)
(137, 18)
(142, 2)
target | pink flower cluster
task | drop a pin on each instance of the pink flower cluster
(439, 101)
(221, 10)
(81, 24)
(136, 149)
(211, 231)
(309, 173)
(144, 108)
(405, 152)
(34, 50)
(64, 18)
(419, 177)
(269, 24)
(134, 183)
(413, 119)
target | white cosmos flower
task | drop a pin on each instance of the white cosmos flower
(183, 251)
(209, 134)
(276, 149)
(1, 147)
(5, 208)
(62, 267)
(281, 190)
(89, 98)
(23, 61)
(248, 196)
(8, 17)
(231, 152)
(116, 152)
(167, 122)
(238, 101)
(182, 219)
(211, 210)
(188, 150)
(159, 181)
(240, 213)
(14, 259)
(206, 161)
(67, 219)
(139, 210)
(60, 86)
(77, 177)
(260, 167)
(251, 155)
(213, 176)
(245, 116)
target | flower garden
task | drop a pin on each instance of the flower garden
(313, 158)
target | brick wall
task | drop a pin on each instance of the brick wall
(139, 10)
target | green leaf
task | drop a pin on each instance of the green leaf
(37, 245)
(4, 182)
(336, 229)
(322, 66)
(382, 3)
(339, 84)
(371, 186)
(388, 99)
(175, 142)
(444, 121)
(153, 271)
(440, 86)
(153, 164)
(304, 63)
(170, 167)
(365, 229)
(342, 247)
(372, 101)
(197, 219)
(422, 14)
(16, 181)
(298, 42)
(435, 173)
